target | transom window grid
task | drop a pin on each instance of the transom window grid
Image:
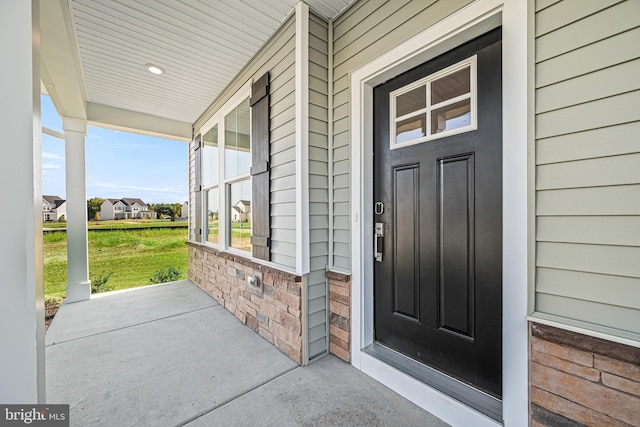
(423, 121)
(226, 174)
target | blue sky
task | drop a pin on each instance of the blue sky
(119, 164)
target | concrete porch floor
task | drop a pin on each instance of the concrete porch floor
(169, 355)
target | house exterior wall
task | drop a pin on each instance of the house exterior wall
(51, 213)
(60, 211)
(587, 157)
(318, 185)
(118, 210)
(49, 210)
(587, 195)
(185, 210)
(365, 30)
(135, 210)
(278, 58)
(106, 210)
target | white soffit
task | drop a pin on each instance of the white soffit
(201, 45)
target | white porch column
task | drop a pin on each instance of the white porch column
(78, 286)
(22, 376)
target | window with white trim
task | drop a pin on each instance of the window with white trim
(210, 183)
(441, 104)
(226, 179)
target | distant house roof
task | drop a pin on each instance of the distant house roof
(54, 200)
(130, 202)
(113, 201)
(237, 209)
(245, 202)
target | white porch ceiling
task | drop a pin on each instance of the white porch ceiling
(201, 44)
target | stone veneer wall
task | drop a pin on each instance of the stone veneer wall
(272, 309)
(578, 380)
(340, 315)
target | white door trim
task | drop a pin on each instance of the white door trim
(469, 22)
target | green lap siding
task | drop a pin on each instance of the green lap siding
(318, 186)
(587, 123)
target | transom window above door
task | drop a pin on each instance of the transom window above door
(439, 105)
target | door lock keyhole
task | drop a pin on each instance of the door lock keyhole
(379, 208)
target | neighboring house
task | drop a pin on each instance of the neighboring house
(136, 208)
(125, 209)
(53, 208)
(241, 211)
(185, 210)
(483, 263)
(112, 209)
(244, 205)
(237, 215)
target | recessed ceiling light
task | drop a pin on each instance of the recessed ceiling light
(154, 69)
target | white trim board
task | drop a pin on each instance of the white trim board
(302, 138)
(466, 24)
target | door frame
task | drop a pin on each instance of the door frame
(515, 17)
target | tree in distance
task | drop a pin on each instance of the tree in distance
(93, 207)
(171, 210)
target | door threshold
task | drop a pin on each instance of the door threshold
(456, 389)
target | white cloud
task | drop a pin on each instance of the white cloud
(52, 156)
(46, 166)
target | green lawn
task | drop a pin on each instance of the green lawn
(122, 223)
(240, 234)
(132, 256)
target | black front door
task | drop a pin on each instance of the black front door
(438, 213)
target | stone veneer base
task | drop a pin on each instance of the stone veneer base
(273, 309)
(339, 315)
(578, 380)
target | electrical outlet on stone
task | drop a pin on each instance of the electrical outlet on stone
(253, 281)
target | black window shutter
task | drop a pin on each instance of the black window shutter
(260, 209)
(197, 188)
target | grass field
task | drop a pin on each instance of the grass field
(132, 256)
(240, 234)
(123, 223)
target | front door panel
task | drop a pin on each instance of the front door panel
(438, 178)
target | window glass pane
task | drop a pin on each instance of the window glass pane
(450, 86)
(213, 213)
(237, 153)
(239, 212)
(411, 101)
(210, 159)
(410, 129)
(451, 117)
